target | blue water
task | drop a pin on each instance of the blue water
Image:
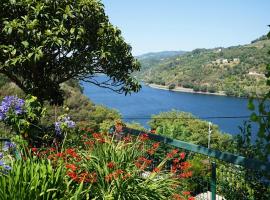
(151, 101)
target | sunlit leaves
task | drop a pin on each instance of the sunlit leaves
(44, 43)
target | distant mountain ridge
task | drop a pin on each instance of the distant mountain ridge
(235, 71)
(160, 55)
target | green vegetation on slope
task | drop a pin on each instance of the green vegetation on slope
(238, 71)
(186, 127)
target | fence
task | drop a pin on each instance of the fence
(223, 175)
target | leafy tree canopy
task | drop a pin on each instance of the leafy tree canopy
(46, 42)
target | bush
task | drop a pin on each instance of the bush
(32, 180)
(171, 86)
(196, 88)
(203, 88)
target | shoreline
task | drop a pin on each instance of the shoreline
(185, 90)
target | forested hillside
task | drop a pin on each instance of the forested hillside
(235, 71)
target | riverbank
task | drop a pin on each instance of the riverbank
(182, 89)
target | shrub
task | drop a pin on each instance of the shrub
(171, 86)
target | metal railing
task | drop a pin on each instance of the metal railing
(226, 175)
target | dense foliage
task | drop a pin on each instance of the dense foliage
(184, 126)
(45, 43)
(235, 71)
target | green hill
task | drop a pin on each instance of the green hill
(236, 71)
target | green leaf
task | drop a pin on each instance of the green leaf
(251, 104)
(25, 44)
(72, 30)
(253, 117)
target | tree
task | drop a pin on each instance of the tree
(44, 43)
(260, 148)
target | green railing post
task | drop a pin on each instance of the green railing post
(213, 181)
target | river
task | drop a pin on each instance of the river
(140, 106)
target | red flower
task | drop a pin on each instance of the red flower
(151, 151)
(185, 174)
(60, 155)
(156, 145)
(72, 153)
(71, 166)
(182, 155)
(173, 169)
(185, 165)
(89, 130)
(86, 177)
(172, 153)
(176, 160)
(34, 149)
(89, 143)
(126, 176)
(109, 178)
(177, 197)
(127, 139)
(52, 149)
(157, 170)
(118, 172)
(111, 165)
(138, 165)
(72, 175)
(143, 137)
(96, 135)
(191, 198)
(169, 155)
(153, 131)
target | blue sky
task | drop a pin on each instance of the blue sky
(159, 25)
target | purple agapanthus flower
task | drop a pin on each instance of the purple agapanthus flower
(7, 167)
(64, 121)
(4, 167)
(9, 146)
(1, 155)
(11, 103)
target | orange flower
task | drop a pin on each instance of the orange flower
(173, 169)
(156, 145)
(72, 175)
(143, 137)
(185, 165)
(153, 131)
(157, 170)
(52, 149)
(151, 151)
(185, 174)
(118, 172)
(191, 198)
(172, 153)
(126, 176)
(177, 197)
(186, 193)
(109, 178)
(72, 167)
(127, 139)
(60, 155)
